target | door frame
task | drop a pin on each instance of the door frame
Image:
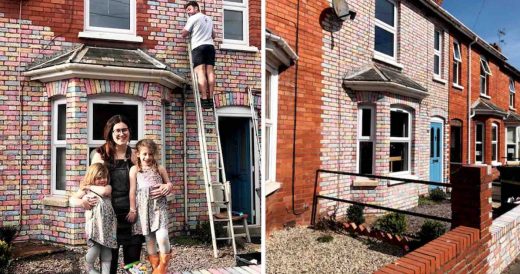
(440, 121)
(245, 112)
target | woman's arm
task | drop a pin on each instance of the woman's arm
(133, 186)
(97, 159)
(104, 191)
(76, 199)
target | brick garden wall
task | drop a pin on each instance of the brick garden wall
(505, 240)
(38, 36)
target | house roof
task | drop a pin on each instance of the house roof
(486, 107)
(379, 78)
(512, 117)
(278, 51)
(105, 63)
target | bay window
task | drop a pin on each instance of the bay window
(400, 140)
(366, 128)
(479, 143)
(59, 143)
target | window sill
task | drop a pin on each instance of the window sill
(110, 36)
(387, 60)
(496, 164)
(439, 80)
(485, 96)
(403, 175)
(56, 200)
(238, 47)
(271, 187)
(365, 182)
(457, 86)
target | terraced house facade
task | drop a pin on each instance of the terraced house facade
(67, 66)
(374, 92)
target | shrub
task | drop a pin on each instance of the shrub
(431, 230)
(355, 214)
(437, 194)
(5, 256)
(8, 233)
(329, 222)
(325, 239)
(423, 200)
(394, 223)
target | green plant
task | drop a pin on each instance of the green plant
(5, 256)
(355, 214)
(328, 221)
(437, 194)
(394, 223)
(8, 233)
(325, 239)
(423, 200)
(431, 230)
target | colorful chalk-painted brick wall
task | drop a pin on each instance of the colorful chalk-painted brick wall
(31, 31)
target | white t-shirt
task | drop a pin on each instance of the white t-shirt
(201, 28)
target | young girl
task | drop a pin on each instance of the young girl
(100, 220)
(150, 181)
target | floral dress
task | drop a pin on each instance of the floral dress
(152, 214)
(101, 223)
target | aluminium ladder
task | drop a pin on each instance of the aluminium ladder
(254, 118)
(218, 194)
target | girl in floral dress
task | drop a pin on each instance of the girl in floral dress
(150, 207)
(100, 220)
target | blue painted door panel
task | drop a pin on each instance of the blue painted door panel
(436, 148)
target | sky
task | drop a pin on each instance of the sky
(487, 17)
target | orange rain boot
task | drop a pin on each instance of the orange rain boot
(154, 261)
(163, 265)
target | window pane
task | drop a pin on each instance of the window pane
(103, 112)
(436, 64)
(62, 122)
(110, 14)
(479, 132)
(60, 168)
(456, 51)
(366, 150)
(398, 124)
(494, 152)
(478, 152)
(437, 40)
(511, 135)
(432, 140)
(483, 88)
(455, 72)
(398, 157)
(233, 25)
(366, 122)
(511, 152)
(384, 42)
(267, 153)
(439, 138)
(385, 11)
(494, 134)
(267, 95)
(511, 85)
(455, 144)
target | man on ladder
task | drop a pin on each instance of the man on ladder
(200, 26)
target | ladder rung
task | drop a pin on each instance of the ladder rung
(221, 203)
(229, 238)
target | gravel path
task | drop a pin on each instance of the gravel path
(73, 260)
(442, 209)
(297, 251)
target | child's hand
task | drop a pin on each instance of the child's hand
(131, 216)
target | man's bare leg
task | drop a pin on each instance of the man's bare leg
(200, 70)
(211, 80)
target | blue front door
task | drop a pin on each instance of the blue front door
(236, 149)
(436, 147)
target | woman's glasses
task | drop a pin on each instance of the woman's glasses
(120, 130)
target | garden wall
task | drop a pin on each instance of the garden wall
(505, 240)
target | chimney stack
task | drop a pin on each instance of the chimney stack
(439, 2)
(497, 47)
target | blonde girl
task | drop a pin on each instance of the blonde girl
(100, 220)
(149, 184)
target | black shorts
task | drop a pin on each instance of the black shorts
(203, 54)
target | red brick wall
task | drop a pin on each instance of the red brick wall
(255, 17)
(281, 19)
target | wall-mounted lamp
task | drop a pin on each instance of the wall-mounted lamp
(342, 10)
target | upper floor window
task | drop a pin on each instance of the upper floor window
(115, 16)
(437, 53)
(236, 22)
(511, 93)
(457, 61)
(400, 140)
(59, 144)
(485, 72)
(366, 134)
(386, 29)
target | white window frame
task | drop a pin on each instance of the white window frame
(392, 29)
(269, 165)
(494, 142)
(438, 52)
(117, 100)
(370, 138)
(515, 142)
(480, 142)
(56, 144)
(407, 140)
(484, 67)
(241, 7)
(512, 93)
(457, 62)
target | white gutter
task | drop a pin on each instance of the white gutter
(469, 99)
(385, 86)
(75, 70)
(282, 44)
